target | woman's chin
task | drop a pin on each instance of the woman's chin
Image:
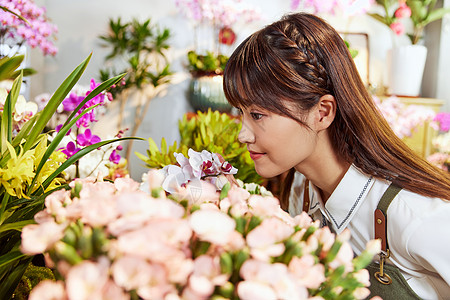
(265, 173)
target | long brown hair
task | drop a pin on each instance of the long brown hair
(299, 59)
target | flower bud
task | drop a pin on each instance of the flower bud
(67, 253)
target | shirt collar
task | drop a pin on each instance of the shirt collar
(347, 197)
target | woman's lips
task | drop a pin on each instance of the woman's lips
(256, 155)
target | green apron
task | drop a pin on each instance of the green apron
(386, 281)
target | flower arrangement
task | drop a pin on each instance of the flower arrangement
(25, 22)
(419, 12)
(403, 119)
(112, 240)
(31, 168)
(213, 19)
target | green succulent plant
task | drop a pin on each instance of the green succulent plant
(208, 64)
(213, 131)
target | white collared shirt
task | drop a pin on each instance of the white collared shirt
(418, 227)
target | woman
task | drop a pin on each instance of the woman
(305, 110)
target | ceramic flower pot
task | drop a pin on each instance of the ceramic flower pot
(406, 65)
(207, 92)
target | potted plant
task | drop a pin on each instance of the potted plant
(206, 85)
(140, 47)
(407, 62)
(212, 23)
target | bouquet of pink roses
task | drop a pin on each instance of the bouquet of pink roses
(114, 240)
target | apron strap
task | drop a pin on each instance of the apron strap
(306, 201)
(381, 230)
(381, 215)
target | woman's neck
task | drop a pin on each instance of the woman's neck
(325, 169)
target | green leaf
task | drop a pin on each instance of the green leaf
(26, 72)
(8, 66)
(10, 257)
(8, 108)
(10, 277)
(153, 148)
(163, 146)
(15, 226)
(380, 18)
(224, 191)
(435, 15)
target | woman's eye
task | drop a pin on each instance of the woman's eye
(256, 116)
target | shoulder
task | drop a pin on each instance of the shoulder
(410, 209)
(418, 228)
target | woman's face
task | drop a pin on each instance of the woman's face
(277, 143)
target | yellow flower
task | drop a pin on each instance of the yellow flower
(18, 172)
(54, 162)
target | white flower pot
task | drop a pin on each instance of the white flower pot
(406, 65)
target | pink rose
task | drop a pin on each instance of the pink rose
(398, 28)
(403, 11)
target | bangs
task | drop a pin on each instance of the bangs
(250, 80)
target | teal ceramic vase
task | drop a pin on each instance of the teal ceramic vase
(207, 92)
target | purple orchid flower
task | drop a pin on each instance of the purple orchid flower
(70, 149)
(72, 102)
(87, 138)
(114, 157)
(58, 128)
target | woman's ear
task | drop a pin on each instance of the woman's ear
(326, 111)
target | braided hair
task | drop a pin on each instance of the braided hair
(301, 58)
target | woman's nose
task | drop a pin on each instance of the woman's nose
(246, 135)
